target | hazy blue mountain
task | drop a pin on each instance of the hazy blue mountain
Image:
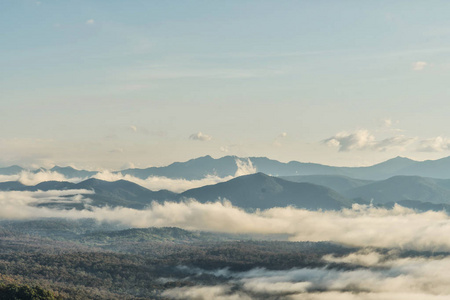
(53, 185)
(226, 166)
(192, 169)
(122, 193)
(117, 193)
(70, 172)
(338, 183)
(12, 170)
(420, 206)
(400, 188)
(263, 191)
(200, 167)
(430, 168)
(11, 186)
(382, 170)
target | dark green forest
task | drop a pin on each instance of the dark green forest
(58, 259)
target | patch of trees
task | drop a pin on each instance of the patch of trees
(24, 292)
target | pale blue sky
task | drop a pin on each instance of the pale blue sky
(112, 83)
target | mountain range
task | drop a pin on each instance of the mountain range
(302, 185)
(198, 168)
(255, 191)
(261, 191)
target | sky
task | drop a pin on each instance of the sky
(115, 84)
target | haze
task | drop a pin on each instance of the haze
(147, 83)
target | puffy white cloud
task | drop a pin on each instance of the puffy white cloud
(436, 144)
(199, 136)
(358, 140)
(419, 65)
(363, 140)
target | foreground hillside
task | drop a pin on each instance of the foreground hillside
(137, 264)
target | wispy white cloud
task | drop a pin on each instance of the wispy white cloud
(90, 22)
(199, 136)
(363, 140)
(437, 144)
(156, 183)
(385, 277)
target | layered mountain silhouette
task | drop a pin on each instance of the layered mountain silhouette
(256, 191)
(398, 188)
(12, 170)
(338, 183)
(420, 185)
(262, 191)
(117, 193)
(226, 166)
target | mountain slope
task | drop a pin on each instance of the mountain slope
(193, 169)
(117, 193)
(263, 192)
(70, 172)
(335, 182)
(198, 168)
(399, 188)
(12, 170)
(439, 168)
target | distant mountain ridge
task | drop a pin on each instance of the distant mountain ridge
(117, 193)
(260, 191)
(200, 167)
(255, 191)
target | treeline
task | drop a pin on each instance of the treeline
(24, 292)
(96, 273)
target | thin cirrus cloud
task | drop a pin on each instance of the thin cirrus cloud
(199, 136)
(363, 140)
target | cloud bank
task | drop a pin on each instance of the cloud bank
(360, 226)
(389, 277)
